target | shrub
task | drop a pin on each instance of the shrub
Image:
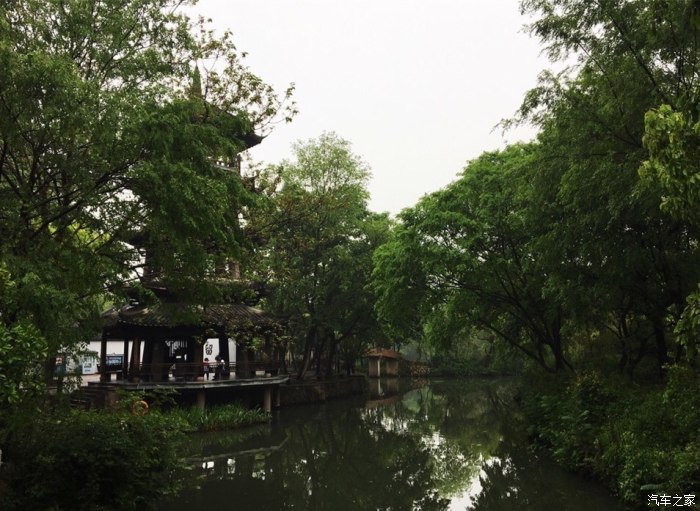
(219, 417)
(97, 460)
(640, 440)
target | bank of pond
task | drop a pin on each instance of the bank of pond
(404, 444)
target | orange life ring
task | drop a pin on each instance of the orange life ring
(139, 408)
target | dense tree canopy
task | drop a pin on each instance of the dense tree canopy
(638, 263)
(317, 255)
(470, 255)
(564, 237)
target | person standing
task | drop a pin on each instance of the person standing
(206, 368)
(221, 366)
(217, 368)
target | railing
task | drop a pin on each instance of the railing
(183, 371)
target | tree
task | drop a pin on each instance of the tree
(672, 138)
(319, 238)
(629, 265)
(101, 136)
(469, 255)
(350, 300)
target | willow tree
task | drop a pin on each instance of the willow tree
(100, 134)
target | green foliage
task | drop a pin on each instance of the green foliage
(59, 458)
(469, 258)
(399, 284)
(65, 459)
(477, 354)
(633, 438)
(673, 140)
(620, 262)
(217, 418)
(316, 256)
(20, 347)
(104, 139)
(162, 398)
(688, 328)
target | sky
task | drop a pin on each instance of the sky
(417, 87)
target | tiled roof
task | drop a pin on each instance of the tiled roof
(383, 353)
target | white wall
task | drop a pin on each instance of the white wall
(210, 348)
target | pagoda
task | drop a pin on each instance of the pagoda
(164, 334)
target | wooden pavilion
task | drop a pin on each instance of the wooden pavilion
(389, 358)
(163, 348)
(166, 340)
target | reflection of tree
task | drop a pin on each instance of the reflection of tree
(462, 423)
(457, 425)
(500, 482)
(350, 463)
(414, 454)
(516, 478)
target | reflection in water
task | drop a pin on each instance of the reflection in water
(442, 446)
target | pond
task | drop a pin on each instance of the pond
(428, 445)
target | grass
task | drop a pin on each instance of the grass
(217, 418)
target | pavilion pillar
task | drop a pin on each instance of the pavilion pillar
(147, 368)
(159, 364)
(201, 399)
(224, 353)
(135, 359)
(197, 361)
(125, 359)
(104, 373)
(374, 367)
(242, 369)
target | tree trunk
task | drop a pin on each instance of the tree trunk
(319, 356)
(560, 362)
(331, 357)
(310, 340)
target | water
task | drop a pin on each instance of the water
(439, 446)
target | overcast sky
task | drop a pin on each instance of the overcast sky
(417, 87)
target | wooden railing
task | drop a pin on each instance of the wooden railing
(192, 371)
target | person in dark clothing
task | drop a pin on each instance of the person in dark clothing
(219, 367)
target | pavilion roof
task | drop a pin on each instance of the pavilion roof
(383, 353)
(168, 314)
